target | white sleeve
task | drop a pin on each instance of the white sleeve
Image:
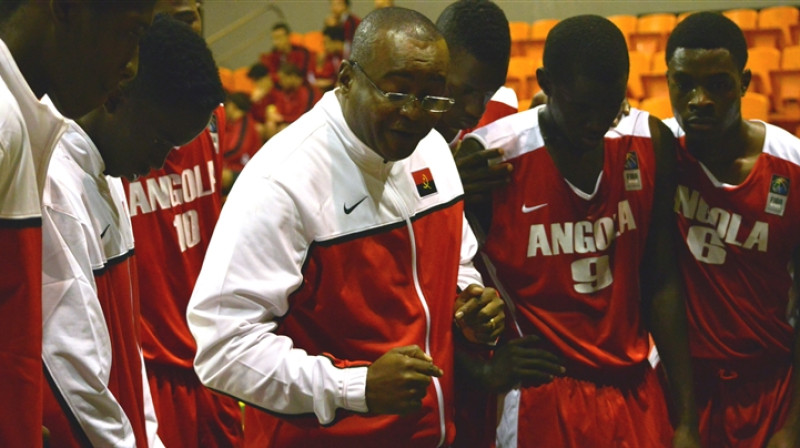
(150, 420)
(76, 347)
(467, 274)
(253, 264)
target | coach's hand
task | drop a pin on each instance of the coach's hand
(480, 314)
(398, 381)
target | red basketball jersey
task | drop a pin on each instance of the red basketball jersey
(174, 211)
(568, 259)
(737, 258)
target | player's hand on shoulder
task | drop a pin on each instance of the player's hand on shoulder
(398, 381)
(478, 176)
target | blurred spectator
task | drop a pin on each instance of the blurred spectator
(295, 98)
(341, 16)
(284, 51)
(328, 61)
(263, 92)
(242, 137)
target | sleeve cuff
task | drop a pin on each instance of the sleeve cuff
(353, 390)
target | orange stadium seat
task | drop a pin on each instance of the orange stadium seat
(746, 19)
(540, 28)
(534, 48)
(786, 90)
(296, 38)
(640, 63)
(313, 41)
(654, 83)
(241, 83)
(658, 106)
(652, 31)
(522, 75)
(626, 23)
(794, 31)
(790, 57)
(226, 76)
(782, 17)
(760, 61)
(755, 106)
(520, 34)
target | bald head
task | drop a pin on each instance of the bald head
(381, 22)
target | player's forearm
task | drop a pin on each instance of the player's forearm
(669, 329)
(792, 423)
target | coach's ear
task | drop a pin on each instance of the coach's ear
(345, 75)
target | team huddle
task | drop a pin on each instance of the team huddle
(412, 263)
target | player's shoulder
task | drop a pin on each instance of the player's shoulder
(782, 144)
(516, 134)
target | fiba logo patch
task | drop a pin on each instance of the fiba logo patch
(777, 195)
(631, 174)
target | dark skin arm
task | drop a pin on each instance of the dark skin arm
(520, 360)
(789, 435)
(477, 175)
(662, 291)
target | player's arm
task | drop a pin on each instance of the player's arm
(478, 176)
(76, 348)
(662, 291)
(478, 312)
(254, 262)
(789, 435)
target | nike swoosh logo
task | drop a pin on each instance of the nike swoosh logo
(535, 207)
(348, 210)
(103, 233)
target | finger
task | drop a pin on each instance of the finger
(413, 351)
(475, 174)
(427, 369)
(484, 187)
(537, 357)
(479, 158)
(471, 293)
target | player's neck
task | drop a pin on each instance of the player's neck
(579, 166)
(732, 155)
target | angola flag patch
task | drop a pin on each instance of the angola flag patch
(424, 181)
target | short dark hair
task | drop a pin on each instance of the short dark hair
(587, 45)
(257, 71)
(371, 29)
(176, 67)
(281, 26)
(708, 31)
(334, 33)
(478, 27)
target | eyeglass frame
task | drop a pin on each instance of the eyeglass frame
(405, 98)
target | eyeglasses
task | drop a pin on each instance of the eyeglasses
(434, 104)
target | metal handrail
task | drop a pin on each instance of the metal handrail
(238, 24)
